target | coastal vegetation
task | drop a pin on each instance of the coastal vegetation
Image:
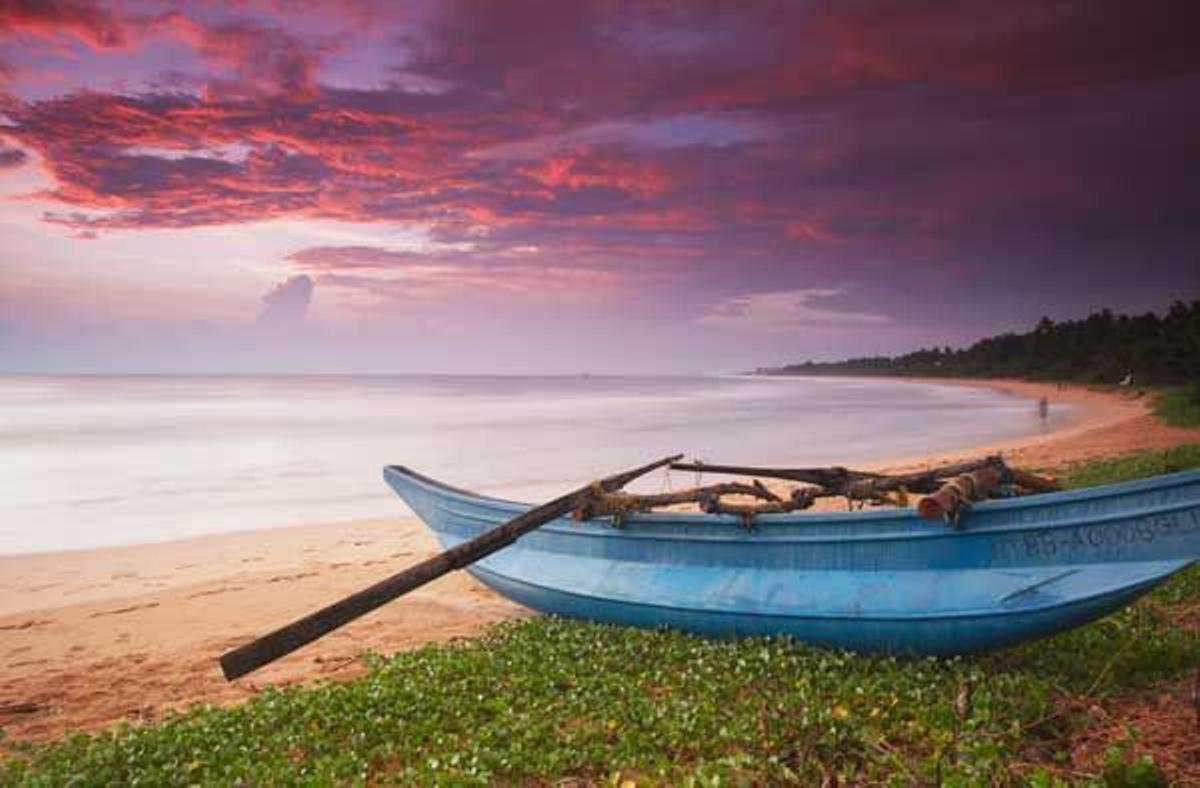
(1133, 466)
(1148, 349)
(545, 699)
(1179, 406)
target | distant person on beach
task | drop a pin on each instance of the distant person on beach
(1043, 408)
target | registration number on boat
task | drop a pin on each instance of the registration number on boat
(1055, 542)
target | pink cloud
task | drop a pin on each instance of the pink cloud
(771, 143)
(11, 157)
(584, 169)
(493, 275)
(263, 59)
(86, 21)
(786, 311)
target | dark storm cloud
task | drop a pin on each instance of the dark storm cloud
(93, 24)
(775, 142)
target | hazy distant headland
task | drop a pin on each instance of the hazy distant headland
(1101, 348)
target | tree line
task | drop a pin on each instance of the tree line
(1101, 348)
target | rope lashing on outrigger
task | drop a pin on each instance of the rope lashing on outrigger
(949, 490)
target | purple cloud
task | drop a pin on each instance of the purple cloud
(286, 304)
(981, 159)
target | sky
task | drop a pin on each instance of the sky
(565, 187)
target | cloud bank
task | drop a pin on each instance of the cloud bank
(729, 164)
(786, 311)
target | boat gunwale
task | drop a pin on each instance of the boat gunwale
(603, 529)
(908, 516)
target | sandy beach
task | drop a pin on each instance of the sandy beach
(1106, 422)
(88, 638)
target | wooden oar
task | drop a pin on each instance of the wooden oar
(285, 640)
(823, 477)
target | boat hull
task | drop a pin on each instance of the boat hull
(880, 581)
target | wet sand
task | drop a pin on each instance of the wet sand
(1106, 422)
(89, 638)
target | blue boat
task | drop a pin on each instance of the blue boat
(879, 581)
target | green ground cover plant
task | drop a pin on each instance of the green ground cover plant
(543, 699)
(1132, 466)
(1179, 406)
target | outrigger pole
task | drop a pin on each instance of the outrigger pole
(268, 648)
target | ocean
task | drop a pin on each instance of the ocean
(95, 461)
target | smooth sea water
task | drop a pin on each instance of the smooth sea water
(96, 461)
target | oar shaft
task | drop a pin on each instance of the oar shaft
(286, 639)
(825, 477)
